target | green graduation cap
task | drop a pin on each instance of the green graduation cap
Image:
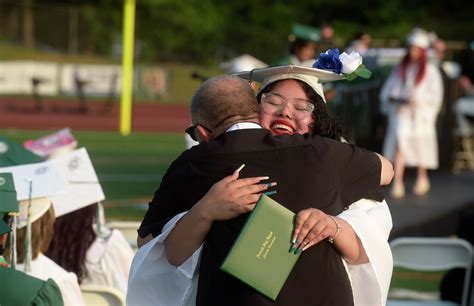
(8, 201)
(304, 32)
(13, 154)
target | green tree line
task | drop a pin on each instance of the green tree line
(203, 31)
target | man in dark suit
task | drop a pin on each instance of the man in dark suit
(311, 172)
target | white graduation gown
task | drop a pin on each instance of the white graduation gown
(43, 268)
(154, 281)
(415, 134)
(108, 261)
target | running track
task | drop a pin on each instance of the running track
(19, 113)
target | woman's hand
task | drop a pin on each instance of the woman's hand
(311, 226)
(226, 199)
(231, 196)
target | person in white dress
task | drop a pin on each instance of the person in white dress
(411, 97)
(39, 265)
(98, 256)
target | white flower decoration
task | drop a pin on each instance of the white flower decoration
(350, 62)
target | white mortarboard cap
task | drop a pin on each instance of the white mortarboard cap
(39, 206)
(45, 179)
(82, 185)
(418, 37)
(244, 62)
(312, 76)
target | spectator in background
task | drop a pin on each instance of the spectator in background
(97, 256)
(327, 38)
(411, 98)
(439, 47)
(360, 43)
(42, 230)
(464, 106)
(244, 62)
(303, 46)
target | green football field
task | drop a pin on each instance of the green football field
(129, 168)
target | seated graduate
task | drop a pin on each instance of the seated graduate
(39, 265)
(17, 287)
(98, 255)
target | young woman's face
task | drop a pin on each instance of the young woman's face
(415, 53)
(306, 52)
(281, 120)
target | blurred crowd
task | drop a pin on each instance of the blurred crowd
(422, 85)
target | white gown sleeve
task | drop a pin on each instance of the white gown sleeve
(70, 290)
(108, 261)
(43, 268)
(372, 222)
(154, 281)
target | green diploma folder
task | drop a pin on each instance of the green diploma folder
(260, 256)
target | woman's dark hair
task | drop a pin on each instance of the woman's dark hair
(324, 123)
(299, 44)
(73, 235)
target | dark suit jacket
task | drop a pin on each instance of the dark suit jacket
(310, 171)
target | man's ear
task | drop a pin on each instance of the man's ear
(204, 134)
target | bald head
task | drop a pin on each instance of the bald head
(222, 101)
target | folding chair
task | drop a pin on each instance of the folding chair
(432, 254)
(98, 295)
(128, 229)
(464, 135)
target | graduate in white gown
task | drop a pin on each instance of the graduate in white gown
(152, 278)
(98, 256)
(39, 265)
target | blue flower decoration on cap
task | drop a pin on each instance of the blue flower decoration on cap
(350, 65)
(329, 61)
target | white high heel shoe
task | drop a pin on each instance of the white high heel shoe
(421, 187)
(398, 191)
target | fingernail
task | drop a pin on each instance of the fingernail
(270, 184)
(298, 250)
(264, 178)
(293, 240)
(240, 168)
(291, 249)
(270, 192)
(304, 249)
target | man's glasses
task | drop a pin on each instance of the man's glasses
(192, 131)
(299, 108)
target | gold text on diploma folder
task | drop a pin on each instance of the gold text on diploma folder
(266, 246)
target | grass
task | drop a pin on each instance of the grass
(129, 168)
